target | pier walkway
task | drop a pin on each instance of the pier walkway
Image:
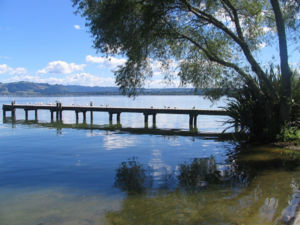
(58, 109)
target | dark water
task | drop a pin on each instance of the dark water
(55, 174)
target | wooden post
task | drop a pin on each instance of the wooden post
(154, 120)
(118, 118)
(13, 110)
(195, 121)
(77, 116)
(51, 112)
(146, 120)
(26, 114)
(191, 121)
(92, 117)
(4, 114)
(60, 112)
(110, 117)
(13, 114)
(57, 111)
(36, 114)
(84, 116)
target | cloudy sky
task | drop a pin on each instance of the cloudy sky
(44, 41)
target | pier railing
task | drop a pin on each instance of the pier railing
(58, 109)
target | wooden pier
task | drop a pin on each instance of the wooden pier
(58, 109)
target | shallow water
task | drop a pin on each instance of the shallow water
(51, 174)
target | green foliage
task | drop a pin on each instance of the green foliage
(288, 134)
(258, 114)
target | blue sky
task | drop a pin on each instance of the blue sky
(44, 41)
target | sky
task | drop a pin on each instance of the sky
(44, 41)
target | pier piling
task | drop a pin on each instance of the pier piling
(26, 114)
(146, 120)
(77, 116)
(154, 120)
(92, 116)
(52, 116)
(195, 121)
(118, 118)
(13, 110)
(110, 117)
(36, 115)
(84, 116)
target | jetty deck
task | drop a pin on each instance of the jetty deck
(58, 109)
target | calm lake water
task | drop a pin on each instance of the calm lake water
(57, 174)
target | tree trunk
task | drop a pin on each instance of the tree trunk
(286, 92)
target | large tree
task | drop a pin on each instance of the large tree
(215, 43)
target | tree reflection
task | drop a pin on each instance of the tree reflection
(263, 200)
(250, 162)
(198, 173)
(131, 177)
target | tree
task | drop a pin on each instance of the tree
(214, 42)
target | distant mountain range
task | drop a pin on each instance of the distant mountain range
(43, 89)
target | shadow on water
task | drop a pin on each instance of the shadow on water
(118, 127)
(255, 186)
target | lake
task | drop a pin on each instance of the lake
(61, 174)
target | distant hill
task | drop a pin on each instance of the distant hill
(43, 89)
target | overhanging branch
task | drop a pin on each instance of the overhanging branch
(222, 62)
(239, 38)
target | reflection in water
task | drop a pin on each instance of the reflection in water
(198, 173)
(243, 192)
(131, 177)
(161, 173)
(176, 179)
(115, 141)
(170, 134)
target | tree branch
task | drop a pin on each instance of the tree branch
(239, 39)
(222, 62)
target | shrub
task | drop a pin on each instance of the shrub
(258, 113)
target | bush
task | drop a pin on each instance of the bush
(258, 113)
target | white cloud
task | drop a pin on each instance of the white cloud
(162, 83)
(157, 66)
(112, 62)
(61, 67)
(159, 69)
(84, 79)
(87, 79)
(5, 69)
(262, 45)
(77, 27)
